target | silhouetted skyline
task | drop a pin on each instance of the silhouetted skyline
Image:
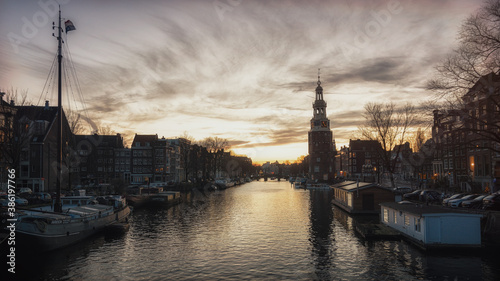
(241, 70)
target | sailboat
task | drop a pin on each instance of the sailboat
(73, 218)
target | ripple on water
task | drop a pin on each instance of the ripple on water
(257, 231)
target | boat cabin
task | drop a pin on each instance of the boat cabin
(78, 200)
(433, 226)
(361, 197)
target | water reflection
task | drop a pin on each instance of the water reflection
(321, 219)
(258, 231)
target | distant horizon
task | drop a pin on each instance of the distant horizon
(245, 71)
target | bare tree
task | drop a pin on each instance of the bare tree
(389, 126)
(215, 147)
(186, 141)
(187, 136)
(14, 137)
(74, 121)
(104, 130)
(468, 79)
(477, 55)
(18, 97)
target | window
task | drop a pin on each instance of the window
(318, 159)
(395, 218)
(418, 227)
(407, 220)
(316, 169)
(386, 215)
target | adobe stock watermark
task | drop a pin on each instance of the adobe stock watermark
(32, 25)
(371, 29)
(223, 6)
(11, 213)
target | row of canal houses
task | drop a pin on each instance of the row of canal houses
(28, 144)
(463, 152)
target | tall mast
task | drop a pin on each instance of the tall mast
(57, 204)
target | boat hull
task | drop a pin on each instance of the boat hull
(48, 237)
(166, 198)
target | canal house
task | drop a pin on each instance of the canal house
(433, 226)
(361, 197)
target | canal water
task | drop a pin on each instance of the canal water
(256, 231)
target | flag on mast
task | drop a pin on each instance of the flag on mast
(69, 26)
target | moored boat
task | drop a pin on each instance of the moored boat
(165, 198)
(300, 183)
(44, 230)
(224, 183)
(322, 186)
(73, 218)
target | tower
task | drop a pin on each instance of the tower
(321, 145)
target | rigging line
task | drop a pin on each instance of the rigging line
(78, 87)
(45, 86)
(68, 84)
(69, 92)
(72, 74)
(67, 87)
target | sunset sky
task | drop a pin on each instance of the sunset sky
(237, 69)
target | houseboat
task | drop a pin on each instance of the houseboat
(431, 227)
(322, 186)
(361, 197)
(164, 198)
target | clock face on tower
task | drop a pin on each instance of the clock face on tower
(324, 124)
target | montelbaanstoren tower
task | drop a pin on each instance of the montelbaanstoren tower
(321, 144)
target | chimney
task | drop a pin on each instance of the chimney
(46, 105)
(12, 103)
(2, 94)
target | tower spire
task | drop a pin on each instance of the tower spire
(319, 82)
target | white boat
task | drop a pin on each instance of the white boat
(224, 183)
(300, 183)
(72, 218)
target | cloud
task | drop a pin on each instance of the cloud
(172, 66)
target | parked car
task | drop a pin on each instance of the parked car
(412, 195)
(492, 202)
(430, 196)
(39, 198)
(402, 190)
(454, 196)
(455, 203)
(19, 201)
(25, 190)
(474, 203)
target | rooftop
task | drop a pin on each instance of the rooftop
(353, 185)
(422, 209)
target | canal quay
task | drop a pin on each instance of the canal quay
(262, 230)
